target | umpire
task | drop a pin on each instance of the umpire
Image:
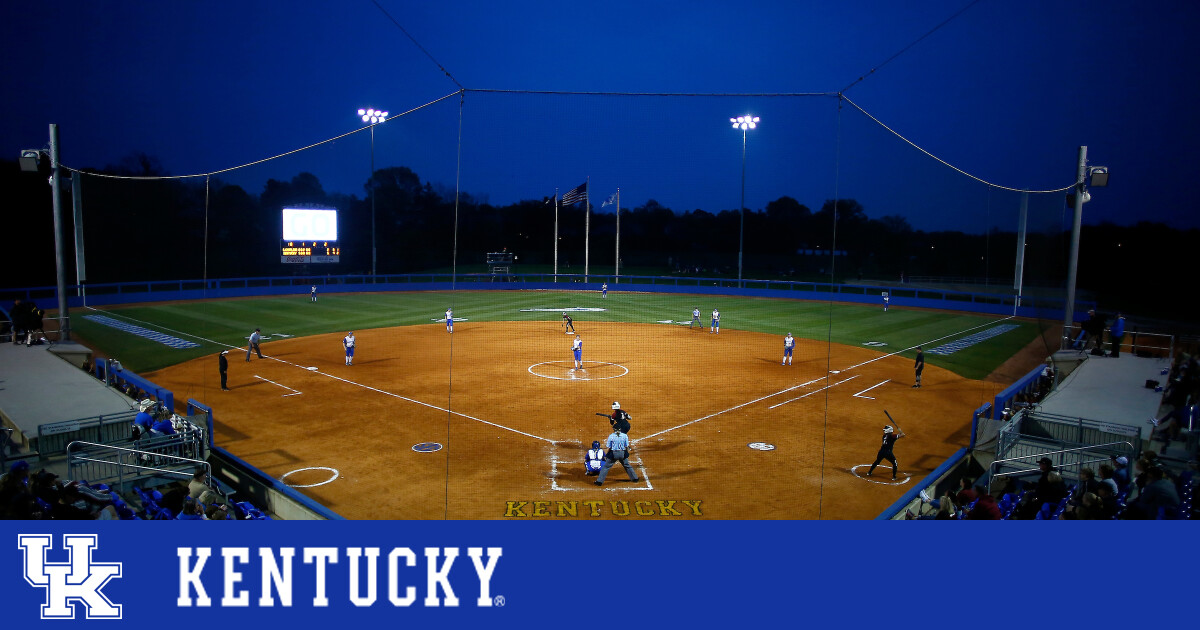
(618, 451)
(223, 365)
(619, 419)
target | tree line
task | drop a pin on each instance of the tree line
(158, 230)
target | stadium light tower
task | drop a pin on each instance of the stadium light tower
(1079, 196)
(372, 117)
(744, 123)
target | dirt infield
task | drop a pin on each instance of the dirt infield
(513, 421)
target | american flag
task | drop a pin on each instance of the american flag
(575, 195)
(610, 201)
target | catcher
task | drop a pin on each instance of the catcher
(619, 420)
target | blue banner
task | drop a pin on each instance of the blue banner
(696, 574)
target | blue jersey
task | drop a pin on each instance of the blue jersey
(348, 342)
(789, 342)
(577, 348)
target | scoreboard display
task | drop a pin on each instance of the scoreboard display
(309, 251)
(309, 236)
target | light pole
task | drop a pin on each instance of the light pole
(744, 123)
(374, 117)
(1099, 178)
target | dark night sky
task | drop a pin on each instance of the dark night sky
(1006, 91)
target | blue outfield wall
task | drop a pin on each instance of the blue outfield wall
(168, 291)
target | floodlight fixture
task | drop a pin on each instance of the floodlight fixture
(373, 116)
(29, 159)
(744, 122)
(1099, 176)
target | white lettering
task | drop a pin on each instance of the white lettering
(436, 576)
(232, 596)
(485, 573)
(272, 575)
(410, 593)
(356, 597)
(321, 555)
(189, 579)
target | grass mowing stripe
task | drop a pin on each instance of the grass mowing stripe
(228, 322)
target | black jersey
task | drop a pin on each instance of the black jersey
(920, 364)
(888, 440)
(620, 421)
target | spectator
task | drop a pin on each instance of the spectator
(1107, 509)
(985, 507)
(1033, 500)
(192, 511)
(144, 420)
(1158, 494)
(199, 484)
(1106, 479)
(966, 492)
(1055, 489)
(163, 427)
(218, 513)
(1116, 334)
(1087, 483)
(14, 484)
(1088, 508)
(1120, 466)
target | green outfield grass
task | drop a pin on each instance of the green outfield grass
(219, 324)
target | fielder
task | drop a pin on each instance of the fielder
(568, 323)
(450, 321)
(312, 293)
(604, 290)
(886, 298)
(788, 343)
(695, 319)
(348, 344)
(577, 349)
(715, 328)
(593, 460)
(919, 365)
(885, 451)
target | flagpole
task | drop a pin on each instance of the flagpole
(587, 227)
(556, 234)
(617, 272)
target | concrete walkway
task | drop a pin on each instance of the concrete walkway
(1110, 390)
(39, 387)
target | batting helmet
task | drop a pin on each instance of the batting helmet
(887, 429)
(616, 405)
(595, 444)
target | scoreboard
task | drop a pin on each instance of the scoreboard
(309, 251)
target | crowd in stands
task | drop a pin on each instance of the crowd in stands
(43, 496)
(1152, 493)
(1182, 402)
(25, 326)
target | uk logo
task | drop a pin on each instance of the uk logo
(77, 581)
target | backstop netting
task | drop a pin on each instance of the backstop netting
(493, 420)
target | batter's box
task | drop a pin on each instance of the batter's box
(574, 480)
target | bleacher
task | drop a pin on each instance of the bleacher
(1095, 413)
(101, 459)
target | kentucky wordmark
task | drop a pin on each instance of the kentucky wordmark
(275, 574)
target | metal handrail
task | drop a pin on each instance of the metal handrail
(992, 475)
(121, 464)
